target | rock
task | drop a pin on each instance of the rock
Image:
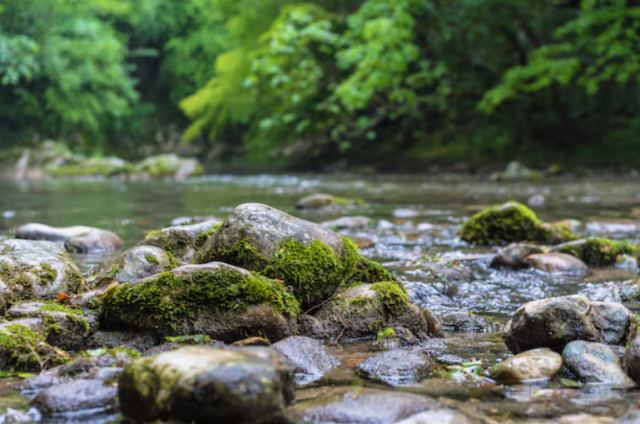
(77, 395)
(23, 346)
(219, 300)
(618, 227)
(556, 321)
(405, 213)
(181, 241)
(627, 263)
(322, 200)
(396, 367)
(188, 220)
(632, 355)
(535, 364)
(632, 416)
(364, 405)
(35, 269)
(515, 171)
(15, 416)
(139, 262)
(77, 239)
(81, 166)
(348, 223)
(362, 311)
(508, 223)
(310, 357)
(440, 416)
(598, 252)
(536, 200)
(463, 322)
(202, 384)
(595, 363)
(168, 166)
(556, 262)
(130, 339)
(514, 255)
(311, 259)
(67, 328)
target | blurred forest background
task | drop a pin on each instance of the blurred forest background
(301, 85)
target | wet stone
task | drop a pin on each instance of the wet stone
(595, 363)
(310, 357)
(76, 396)
(535, 364)
(396, 367)
(463, 322)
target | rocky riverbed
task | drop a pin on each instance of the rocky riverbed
(384, 301)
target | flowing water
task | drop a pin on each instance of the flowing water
(413, 232)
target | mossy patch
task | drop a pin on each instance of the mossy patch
(369, 271)
(392, 296)
(241, 253)
(192, 339)
(314, 271)
(386, 333)
(204, 236)
(598, 251)
(508, 223)
(25, 349)
(172, 300)
(174, 243)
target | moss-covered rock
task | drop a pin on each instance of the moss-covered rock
(23, 346)
(137, 263)
(65, 327)
(36, 269)
(310, 259)
(363, 311)
(202, 384)
(597, 251)
(323, 200)
(168, 166)
(508, 223)
(182, 241)
(77, 166)
(216, 299)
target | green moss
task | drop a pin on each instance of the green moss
(76, 315)
(241, 254)
(392, 296)
(113, 351)
(75, 280)
(47, 273)
(507, 223)
(386, 333)
(151, 258)
(171, 300)
(598, 251)
(204, 236)
(194, 339)
(57, 307)
(25, 349)
(368, 271)
(314, 271)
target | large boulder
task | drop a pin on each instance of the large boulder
(77, 239)
(532, 365)
(310, 259)
(202, 384)
(508, 223)
(220, 300)
(36, 269)
(361, 312)
(595, 363)
(597, 251)
(556, 321)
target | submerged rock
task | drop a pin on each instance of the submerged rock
(597, 251)
(361, 312)
(556, 321)
(77, 239)
(310, 357)
(216, 299)
(77, 395)
(364, 405)
(396, 367)
(514, 255)
(201, 384)
(463, 322)
(535, 364)
(35, 269)
(322, 200)
(595, 363)
(508, 223)
(556, 262)
(310, 259)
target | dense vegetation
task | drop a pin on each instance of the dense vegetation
(300, 84)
